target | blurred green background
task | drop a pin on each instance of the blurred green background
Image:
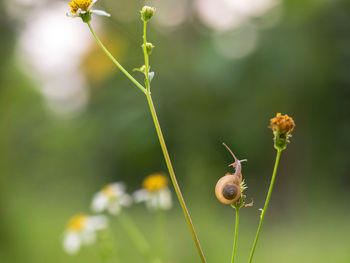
(70, 123)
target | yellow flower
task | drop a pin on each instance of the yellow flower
(155, 182)
(81, 230)
(83, 5)
(112, 197)
(155, 192)
(77, 222)
(83, 9)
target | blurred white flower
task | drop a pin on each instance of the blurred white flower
(79, 8)
(81, 230)
(111, 198)
(155, 192)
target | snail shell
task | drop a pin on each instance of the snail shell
(227, 189)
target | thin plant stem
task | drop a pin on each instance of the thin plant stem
(160, 229)
(137, 237)
(166, 154)
(266, 204)
(133, 80)
(147, 92)
(135, 234)
(106, 248)
(160, 233)
(147, 82)
(173, 177)
(236, 236)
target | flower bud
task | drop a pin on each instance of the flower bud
(282, 126)
(149, 47)
(146, 13)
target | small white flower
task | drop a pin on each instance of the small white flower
(81, 8)
(155, 192)
(81, 230)
(112, 198)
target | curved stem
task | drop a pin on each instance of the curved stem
(236, 236)
(266, 205)
(147, 92)
(133, 80)
(173, 177)
(165, 151)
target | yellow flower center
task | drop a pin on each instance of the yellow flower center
(77, 222)
(155, 182)
(76, 4)
(108, 191)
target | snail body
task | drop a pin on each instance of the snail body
(228, 188)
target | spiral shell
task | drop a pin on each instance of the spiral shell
(227, 189)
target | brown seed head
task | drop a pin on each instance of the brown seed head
(282, 124)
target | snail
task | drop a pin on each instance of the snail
(228, 188)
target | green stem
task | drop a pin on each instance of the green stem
(107, 247)
(166, 154)
(146, 56)
(160, 233)
(266, 205)
(116, 62)
(236, 236)
(147, 92)
(137, 237)
(135, 234)
(173, 177)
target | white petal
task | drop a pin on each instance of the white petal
(71, 242)
(164, 199)
(119, 187)
(125, 200)
(96, 223)
(88, 237)
(92, 4)
(99, 202)
(114, 208)
(70, 14)
(152, 202)
(79, 11)
(100, 13)
(141, 196)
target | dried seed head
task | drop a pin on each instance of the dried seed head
(282, 126)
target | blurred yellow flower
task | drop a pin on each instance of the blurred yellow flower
(77, 222)
(155, 192)
(81, 230)
(112, 198)
(155, 182)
